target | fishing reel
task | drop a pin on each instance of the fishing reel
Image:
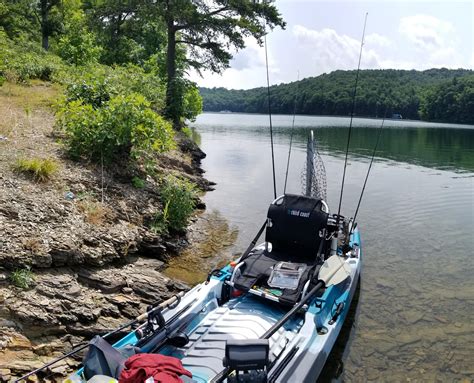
(155, 320)
(339, 231)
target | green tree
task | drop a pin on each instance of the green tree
(31, 19)
(208, 30)
(128, 30)
(77, 46)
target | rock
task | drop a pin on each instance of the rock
(5, 374)
(102, 280)
(412, 316)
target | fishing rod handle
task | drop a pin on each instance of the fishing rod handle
(162, 305)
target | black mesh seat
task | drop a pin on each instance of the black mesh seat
(293, 229)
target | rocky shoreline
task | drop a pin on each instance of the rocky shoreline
(85, 237)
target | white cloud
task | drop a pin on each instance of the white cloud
(252, 56)
(435, 40)
(331, 51)
(247, 68)
(374, 39)
(426, 32)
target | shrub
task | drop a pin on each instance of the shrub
(22, 278)
(40, 169)
(123, 127)
(96, 84)
(95, 212)
(21, 61)
(138, 182)
(92, 91)
(187, 132)
(178, 197)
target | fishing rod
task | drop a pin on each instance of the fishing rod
(270, 117)
(352, 116)
(164, 305)
(370, 167)
(332, 272)
(292, 130)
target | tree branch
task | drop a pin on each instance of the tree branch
(185, 26)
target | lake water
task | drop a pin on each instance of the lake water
(413, 317)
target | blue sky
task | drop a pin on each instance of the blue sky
(323, 36)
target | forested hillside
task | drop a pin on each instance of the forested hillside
(434, 95)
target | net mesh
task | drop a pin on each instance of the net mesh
(313, 182)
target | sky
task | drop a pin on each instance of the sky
(323, 36)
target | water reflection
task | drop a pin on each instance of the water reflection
(433, 146)
(415, 309)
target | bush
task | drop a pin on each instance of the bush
(20, 61)
(95, 84)
(138, 183)
(22, 278)
(40, 169)
(92, 91)
(178, 198)
(123, 127)
(95, 213)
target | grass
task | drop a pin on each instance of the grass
(40, 169)
(38, 94)
(138, 183)
(178, 197)
(22, 278)
(32, 244)
(95, 212)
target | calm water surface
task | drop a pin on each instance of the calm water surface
(413, 318)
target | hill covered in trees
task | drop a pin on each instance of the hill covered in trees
(435, 95)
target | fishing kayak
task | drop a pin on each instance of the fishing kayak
(273, 314)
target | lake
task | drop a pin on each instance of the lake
(412, 319)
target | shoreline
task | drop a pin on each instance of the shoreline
(85, 239)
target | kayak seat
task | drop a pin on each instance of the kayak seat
(293, 238)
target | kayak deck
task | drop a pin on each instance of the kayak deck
(242, 318)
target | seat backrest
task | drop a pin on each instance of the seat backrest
(294, 225)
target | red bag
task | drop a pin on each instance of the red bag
(164, 369)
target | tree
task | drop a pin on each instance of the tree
(48, 25)
(27, 16)
(78, 46)
(209, 30)
(129, 31)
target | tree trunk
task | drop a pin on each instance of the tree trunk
(44, 24)
(173, 101)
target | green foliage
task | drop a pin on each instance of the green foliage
(22, 278)
(129, 32)
(96, 84)
(89, 89)
(123, 127)
(207, 30)
(77, 46)
(178, 197)
(41, 169)
(192, 103)
(187, 132)
(450, 101)
(379, 92)
(21, 61)
(138, 183)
